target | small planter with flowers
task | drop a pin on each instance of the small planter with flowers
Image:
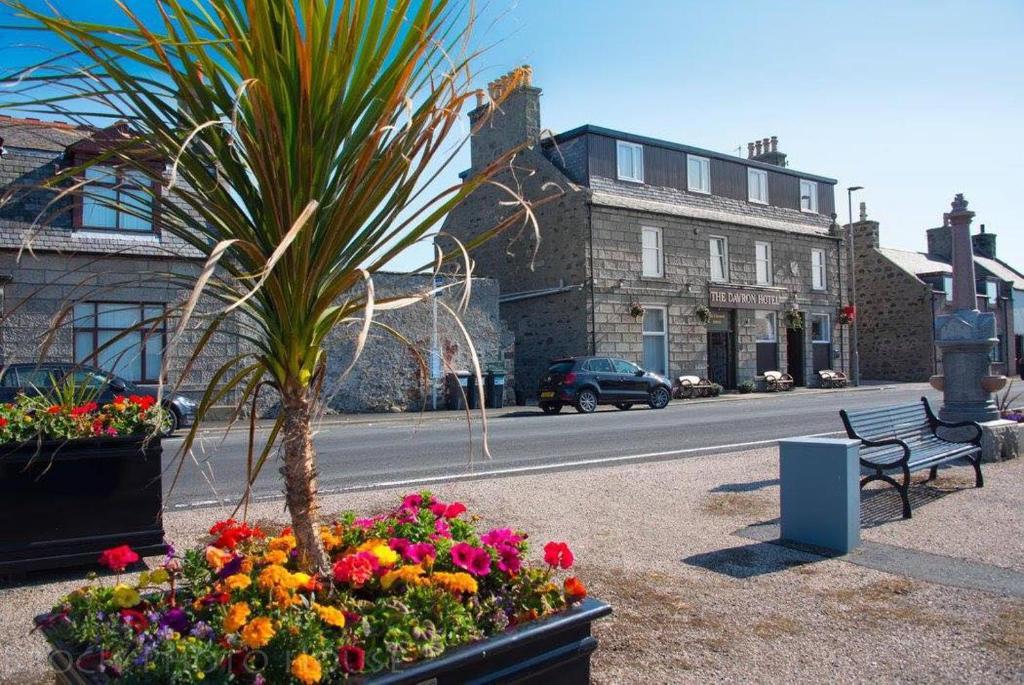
(77, 478)
(415, 595)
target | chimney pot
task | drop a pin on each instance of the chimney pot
(750, 149)
(775, 143)
(863, 211)
(983, 228)
(757, 146)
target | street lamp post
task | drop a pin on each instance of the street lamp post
(854, 354)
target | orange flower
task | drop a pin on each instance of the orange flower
(258, 632)
(574, 589)
(236, 617)
(276, 556)
(216, 558)
(238, 581)
(456, 583)
(410, 575)
(275, 576)
(284, 543)
(330, 615)
(306, 669)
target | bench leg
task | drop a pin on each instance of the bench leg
(933, 473)
(904, 488)
(905, 492)
(979, 481)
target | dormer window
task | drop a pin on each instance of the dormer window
(992, 291)
(115, 199)
(757, 186)
(630, 161)
(698, 174)
(808, 196)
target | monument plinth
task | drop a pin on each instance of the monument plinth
(967, 336)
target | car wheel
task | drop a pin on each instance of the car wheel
(659, 398)
(586, 401)
(173, 422)
(551, 407)
(624, 406)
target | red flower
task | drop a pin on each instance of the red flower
(230, 533)
(84, 409)
(3, 422)
(136, 619)
(355, 569)
(454, 509)
(574, 589)
(144, 402)
(117, 558)
(351, 659)
(53, 409)
(558, 554)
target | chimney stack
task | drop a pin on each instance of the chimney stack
(766, 150)
(509, 119)
(984, 244)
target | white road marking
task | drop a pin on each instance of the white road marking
(538, 468)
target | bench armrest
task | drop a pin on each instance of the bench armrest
(884, 443)
(976, 440)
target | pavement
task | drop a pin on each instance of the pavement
(696, 601)
(411, 450)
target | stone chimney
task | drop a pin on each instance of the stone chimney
(510, 117)
(865, 232)
(984, 243)
(766, 150)
(940, 241)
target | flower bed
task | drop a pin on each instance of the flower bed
(29, 418)
(405, 586)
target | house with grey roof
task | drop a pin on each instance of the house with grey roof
(901, 292)
(682, 259)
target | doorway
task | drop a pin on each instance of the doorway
(795, 354)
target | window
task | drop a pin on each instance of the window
(821, 329)
(765, 330)
(115, 200)
(131, 348)
(763, 263)
(624, 367)
(653, 264)
(808, 196)
(947, 287)
(757, 186)
(599, 366)
(992, 291)
(818, 269)
(630, 161)
(997, 351)
(719, 259)
(655, 340)
(698, 174)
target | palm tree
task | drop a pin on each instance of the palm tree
(301, 138)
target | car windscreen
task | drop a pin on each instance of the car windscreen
(561, 367)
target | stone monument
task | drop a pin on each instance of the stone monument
(966, 338)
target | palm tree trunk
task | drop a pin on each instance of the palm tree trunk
(299, 471)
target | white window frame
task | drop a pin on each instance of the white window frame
(636, 160)
(811, 194)
(703, 184)
(819, 281)
(762, 182)
(827, 328)
(663, 333)
(724, 257)
(658, 249)
(947, 287)
(992, 291)
(767, 261)
(773, 317)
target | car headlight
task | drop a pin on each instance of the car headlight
(187, 402)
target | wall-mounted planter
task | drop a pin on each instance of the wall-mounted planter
(551, 651)
(64, 502)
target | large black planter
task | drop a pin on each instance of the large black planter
(551, 651)
(63, 502)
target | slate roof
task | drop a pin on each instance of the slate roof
(36, 134)
(1002, 271)
(915, 263)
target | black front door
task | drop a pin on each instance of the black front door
(795, 355)
(720, 359)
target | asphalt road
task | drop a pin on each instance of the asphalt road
(357, 456)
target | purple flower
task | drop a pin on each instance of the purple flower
(230, 568)
(176, 619)
(202, 630)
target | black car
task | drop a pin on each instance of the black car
(34, 379)
(585, 382)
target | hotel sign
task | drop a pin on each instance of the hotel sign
(746, 298)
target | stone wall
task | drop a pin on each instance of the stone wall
(895, 315)
(388, 375)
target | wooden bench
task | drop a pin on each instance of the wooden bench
(905, 438)
(693, 386)
(827, 378)
(776, 380)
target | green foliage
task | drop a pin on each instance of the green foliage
(746, 387)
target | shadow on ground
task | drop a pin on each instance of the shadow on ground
(749, 561)
(883, 505)
(745, 487)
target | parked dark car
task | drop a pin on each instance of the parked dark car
(586, 382)
(37, 379)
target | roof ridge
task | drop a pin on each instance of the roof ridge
(35, 121)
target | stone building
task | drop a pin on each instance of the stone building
(627, 220)
(75, 274)
(900, 292)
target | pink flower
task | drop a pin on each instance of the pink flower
(400, 545)
(111, 431)
(419, 552)
(453, 510)
(480, 563)
(462, 555)
(363, 523)
(500, 536)
(413, 501)
(558, 554)
(438, 508)
(442, 529)
(509, 562)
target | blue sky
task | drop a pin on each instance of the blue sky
(915, 101)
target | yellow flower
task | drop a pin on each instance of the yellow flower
(298, 580)
(330, 615)
(330, 540)
(284, 543)
(454, 582)
(410, 575)
(237, 615)
(258, 632)
(273, 576)
(125, 597)
(275, 556)
(306, 669)
(238, 581)
(379, 548)
(158, 576)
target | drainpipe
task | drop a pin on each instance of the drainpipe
(839, 283)
(590, 280)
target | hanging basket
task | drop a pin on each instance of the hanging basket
(793, 320)
(703, 314)
(636, 310)
(847, 315)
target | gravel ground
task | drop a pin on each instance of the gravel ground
(695, 603)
